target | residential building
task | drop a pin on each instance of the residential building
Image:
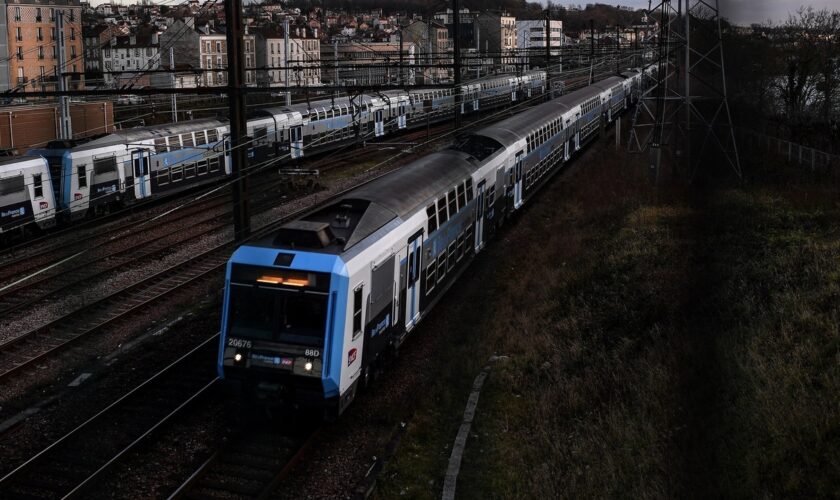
(126, 58)
(367, 63)
(498, 38)
(304, 58)
(531, 40)
(433, 48)
(29, 53)
(203, 48)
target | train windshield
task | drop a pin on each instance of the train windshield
(291, 317)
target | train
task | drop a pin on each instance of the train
(88, 177)
(311, 310)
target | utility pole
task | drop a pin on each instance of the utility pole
(401, 54)
(617, 49)
(65, 129)
(456, 21)
(548, 53)
(238, 128)
(286, 60)
(172, 79)
(591, 52)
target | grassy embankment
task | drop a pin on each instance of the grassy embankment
(662, 344)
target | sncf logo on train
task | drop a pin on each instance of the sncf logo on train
(351, 356)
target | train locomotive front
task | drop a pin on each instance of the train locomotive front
(282, 327)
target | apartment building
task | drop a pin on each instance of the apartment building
(304, 58)
(126, 58)
(498, 38)
(29, 53)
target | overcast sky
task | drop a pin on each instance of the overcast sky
(739, 11)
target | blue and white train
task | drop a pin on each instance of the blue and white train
(310, 310)
(88, 177)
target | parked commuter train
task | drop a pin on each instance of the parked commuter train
(310, 310)
(88, 177)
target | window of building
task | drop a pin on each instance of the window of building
(19, 35)
(52, 15)
(38, 14)
(17, 13)
(136, 52)
(218, 46)
(40, 33)
(20, 53)
(40, 52)
(38, 186)
(72, 51)
(72, 33)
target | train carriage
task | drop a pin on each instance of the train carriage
(311, 309)
(27, 194)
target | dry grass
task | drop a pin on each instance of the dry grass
(662, 344)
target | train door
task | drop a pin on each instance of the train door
(379, 124)
(512, 83)
(142, 180)
(517, 190)
(228, 160)
(411, 301)
(577, 131)
(401, 116)
(567, 143)
(479, 216)
(296, 141)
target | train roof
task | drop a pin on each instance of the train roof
(362, 211)
(14, 160)
(512, 129)
(134, 135)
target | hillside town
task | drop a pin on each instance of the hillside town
(117, 45)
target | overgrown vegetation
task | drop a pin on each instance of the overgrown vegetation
(662, 344)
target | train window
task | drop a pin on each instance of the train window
(163, 176)
(174, 142)
(38, 185)
(357, 310)
(202, 167)
(430, 276)
(160, 145)
(189, 170)
(491, 195)
(453, 204)
(200, 138)
(187, 140)
(460, 246)
(105, 165)
(462, 201)
(441, 203)
(212, 136)
(81, 173)
(441, 266)
(469, 189)
(176, 173)
(450, 258)
(430, 212)
(12, 185)
(468, 237)
(213, 163)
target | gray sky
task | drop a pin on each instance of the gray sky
(739, 11)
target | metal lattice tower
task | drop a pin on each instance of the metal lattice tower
(685, 113)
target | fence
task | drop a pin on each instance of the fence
(754, 143)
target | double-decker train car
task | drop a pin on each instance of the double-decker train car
(91, 176)
(310, 310)
(26, 193)
(134, 164)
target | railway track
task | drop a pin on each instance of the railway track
(75, 461)
(250, 465)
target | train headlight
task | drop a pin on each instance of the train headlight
(237, 357)
(308, 366)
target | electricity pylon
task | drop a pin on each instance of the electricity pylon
(685, 109)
